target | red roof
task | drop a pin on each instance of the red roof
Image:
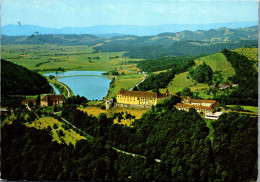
(142, 94)
(52, 98)
(198, 100)
(195, 106)
(26, 101)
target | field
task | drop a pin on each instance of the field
(126, 82)
(49, 56)
(95, 111)
(252, 109)
(218, 62)
(180, 81)
(70, 136)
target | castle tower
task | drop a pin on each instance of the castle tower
(109, 103)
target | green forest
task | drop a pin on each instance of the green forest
(164, 63)
(247, 79)
(18, 80)
(178, 140)
(161, 80)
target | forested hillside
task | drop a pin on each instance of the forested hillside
(164, 63)
(247, 79)
(178, 139)
(18, 80)
(182, 43)
(37, 38)
(150, 47)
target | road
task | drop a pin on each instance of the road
(139, 82)
(76, 128)
(118, 150)
(68, 91)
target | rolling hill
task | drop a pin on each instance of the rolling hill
(151, 47)
(218, 62)
(140, 30)
(18, 80)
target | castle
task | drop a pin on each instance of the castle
(140, 99)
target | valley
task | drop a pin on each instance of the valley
(153, 140)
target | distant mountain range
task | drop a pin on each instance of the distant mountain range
(150, 47)
(103, 30)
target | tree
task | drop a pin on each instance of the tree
(38, 100)
(30, 104)
(135, 88)
(186, 92)
(55, 126)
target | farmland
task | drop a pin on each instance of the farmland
(44, 57)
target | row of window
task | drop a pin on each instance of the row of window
(142, 98)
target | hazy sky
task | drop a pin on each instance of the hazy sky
(83, 13)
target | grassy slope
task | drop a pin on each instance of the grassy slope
(248, 108)
(126, 82)
(95, 111)
(70, 135)
(218, 62)
(180, 81)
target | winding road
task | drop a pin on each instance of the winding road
(139, 82)
(65, 86)
(118, 150)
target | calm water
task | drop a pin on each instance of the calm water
(91, 87)
(68, 73)
(57, 92)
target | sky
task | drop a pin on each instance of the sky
(84, 13)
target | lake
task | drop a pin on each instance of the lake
(57, 92)
(92, 87)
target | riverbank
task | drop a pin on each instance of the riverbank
(63, 88)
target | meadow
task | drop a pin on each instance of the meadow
(182, 80)
(95, 111)
(43, 57)
(126, 82)
(218, 62)
(70, 136)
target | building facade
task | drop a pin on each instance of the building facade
(204, 106)
(140, 98)
(49, 100)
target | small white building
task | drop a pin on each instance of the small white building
(214, 115)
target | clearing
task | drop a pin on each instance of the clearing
(218, 62)
(70, 136)
(137, 112)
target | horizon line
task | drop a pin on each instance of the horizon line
(255, 21)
